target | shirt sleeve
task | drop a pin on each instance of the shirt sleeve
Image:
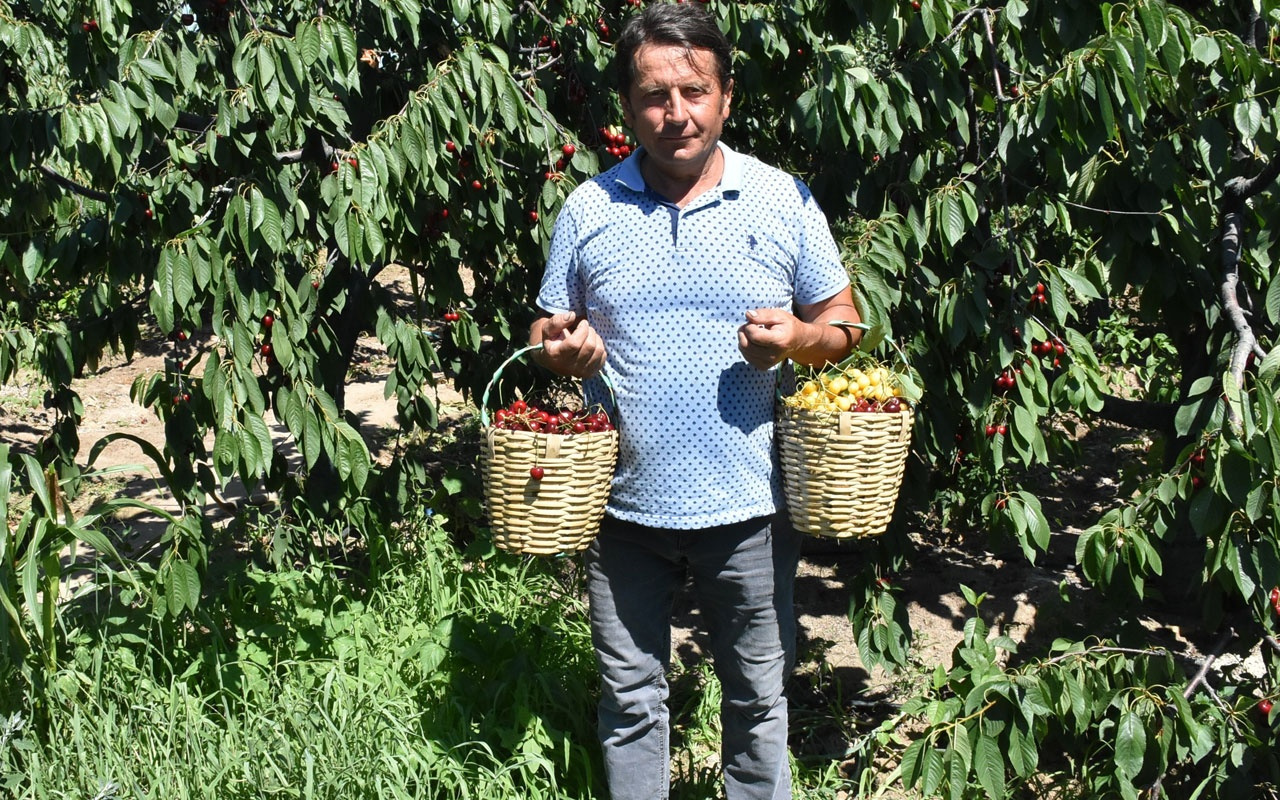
(562, 286)
(819, 271)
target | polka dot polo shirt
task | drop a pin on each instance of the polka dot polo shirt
(667, 289)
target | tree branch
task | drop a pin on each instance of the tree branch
(1153, 790)
(1237, 191)
(72, 186)
(1142, 414)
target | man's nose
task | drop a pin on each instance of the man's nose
(677, 112)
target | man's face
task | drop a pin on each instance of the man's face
(676, 107)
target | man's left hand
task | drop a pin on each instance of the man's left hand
(806, 337)
(769, 336)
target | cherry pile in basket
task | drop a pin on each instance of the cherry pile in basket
(522, 416)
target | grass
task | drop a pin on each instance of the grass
(443, 676)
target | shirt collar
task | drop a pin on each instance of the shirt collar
(730, 181)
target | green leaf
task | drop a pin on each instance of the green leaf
(1273, 306)
(988, 765)
(312, 439)
(1131, 744)
(1205, 49)
(6, 482)
(1023, 755)
(1079, 284)
(912, 764)
(31, 572)
(307, 38)
(1248, 118)
(957, 775)
(258, 427)
(932, 772)
(1207, 512)
(182, 588)
(952, 219)
(266, 73)
(1154, 24)
(373, 239)
(184, 282)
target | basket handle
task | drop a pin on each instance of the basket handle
(497, 378)
(910, 390)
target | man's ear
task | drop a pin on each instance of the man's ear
(727, 101)
(627, 117)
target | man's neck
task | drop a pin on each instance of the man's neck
(681, 189)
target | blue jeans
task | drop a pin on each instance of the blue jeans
(743, 577)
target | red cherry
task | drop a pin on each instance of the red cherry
(1196, 481)
(991, 430)
(334, 166)
(186, 397)
(1002, 429)
(477, 185)
(268, 321)
(451, 147)
(182, 336)
(533, 216)
(1001, 503)
(536, 473)
(188, 20)
(568, 150)
(149, 214)
(315, 284)
(266, 350)
(1264, 705)
(353, 162)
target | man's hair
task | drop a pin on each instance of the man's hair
(686, 25)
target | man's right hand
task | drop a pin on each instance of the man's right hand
(570, 346)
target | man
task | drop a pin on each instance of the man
(688, 274)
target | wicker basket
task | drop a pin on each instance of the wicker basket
(559, 513)
(841, 472)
